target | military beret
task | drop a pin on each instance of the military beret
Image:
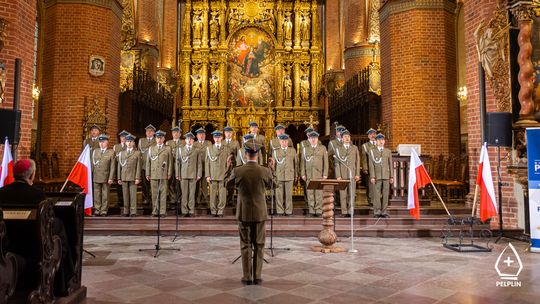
(252, 146)
(176, 129)
(380, 136)
(130, 137)
(217, 133)
(283, 137)
(123, 133)
(313, 134)
(340, 128)
(371, 131)
(345, 132)
(200, 130)
(279, 127)
(103, 137)
(160, 133)
(189, 135)
(150, 127)
(95, 127)
(253, 124)
(227, 128)
(248, 137)
(308, 130)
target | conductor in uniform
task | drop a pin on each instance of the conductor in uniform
(251, 181)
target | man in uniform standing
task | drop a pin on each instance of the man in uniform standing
(144, 144)
(275, 142)
(260, 139)
(218, 160)
(119, 147)
(159, 169)
(200, 145)
(366, 147)
(92, 139)
(251, 180)
(285, 164)
(381, 175)
(347, 167)
(129, 175)
(174, 184)
(314, 165)
(233, 146)
(188, 171)
(103, 167)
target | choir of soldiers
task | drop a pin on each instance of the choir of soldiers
(194, 171)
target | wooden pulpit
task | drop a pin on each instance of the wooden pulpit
(327, 236)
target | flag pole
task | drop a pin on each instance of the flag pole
(474, 201)
(444, 205)
(65, 183)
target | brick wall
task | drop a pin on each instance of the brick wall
(418, 67)
(21, 15)
(355, 38)
(71, 34)
(169, 40)
(334, 51)
(474, 13)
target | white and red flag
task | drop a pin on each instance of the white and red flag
(488, 203)
(6, 171)
(81, 174)
(418, 178)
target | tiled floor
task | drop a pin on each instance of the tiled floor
(385, 270)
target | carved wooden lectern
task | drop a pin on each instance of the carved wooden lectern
(327, 236)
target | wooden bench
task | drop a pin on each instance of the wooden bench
(8, 266)
(449, 176)
(30, 235)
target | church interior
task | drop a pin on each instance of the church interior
(437, 78)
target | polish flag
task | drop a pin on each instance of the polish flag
(418, 178)
(488, 203)
(81, 175)
(6, 171)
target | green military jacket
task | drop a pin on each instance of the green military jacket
(233, 147)
(380, 164)
(119, 148)
(129, 165)
(346, 158)
(216, 162)
(143, 146)
(366, 147)
(103, 165)
(174, 145)
(286, 163)
(188, 163)
(94, 143)
(313, 161)
(159, 164)
(276, 144)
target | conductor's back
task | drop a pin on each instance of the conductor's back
(251, 181)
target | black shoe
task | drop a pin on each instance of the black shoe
(215, 215)
(154, 215)
(219, 215)
(386, 216)
(187, 215)
(257, 281)
(318, 215)
(133, 215)
(246, 282)
(163, 215)
(377, 216)
(286, 214)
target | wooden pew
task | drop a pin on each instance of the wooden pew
(8, 266)
(30, 234)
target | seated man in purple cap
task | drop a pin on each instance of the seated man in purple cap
(22, 192)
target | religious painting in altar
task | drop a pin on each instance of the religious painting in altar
(250, 68)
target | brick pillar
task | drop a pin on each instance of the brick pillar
(333, 35)
(474, 13)
(73, 31)
(19, 43)
(169, 40)
(418, 68)
(358, 52)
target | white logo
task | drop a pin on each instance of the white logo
(509, 266)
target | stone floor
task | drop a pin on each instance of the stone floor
(413, 270)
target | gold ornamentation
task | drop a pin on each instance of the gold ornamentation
(493, 49)
(94, 115)
(3, 32)
(128, 33)
(373, 25)
(168, 80)
(127, 63)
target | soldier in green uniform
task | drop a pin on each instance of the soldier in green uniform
(285, 164)
(347, 166)
(251, 180)
(92, 139)
(241, 154)
(233, 146)
(218, 160)
(159, 169)
(314, 165)
(260, 139)
(144, 144)
(275, 143)
(174, 184)
(189, 170)
(305, 143)
(200, 146)
(129, 175)
(119, 147)
(103, 169)
(381, 175)
(364, 155)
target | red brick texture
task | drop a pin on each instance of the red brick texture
(21, 16)
(418, 67)
(71, 34)
(475, 12)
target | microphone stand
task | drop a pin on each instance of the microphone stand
(272, 208)
(351, 201)
(177, 199)
(157, 247)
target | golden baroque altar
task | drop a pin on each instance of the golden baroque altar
(250, 60)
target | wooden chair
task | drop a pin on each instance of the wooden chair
(8, 266)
